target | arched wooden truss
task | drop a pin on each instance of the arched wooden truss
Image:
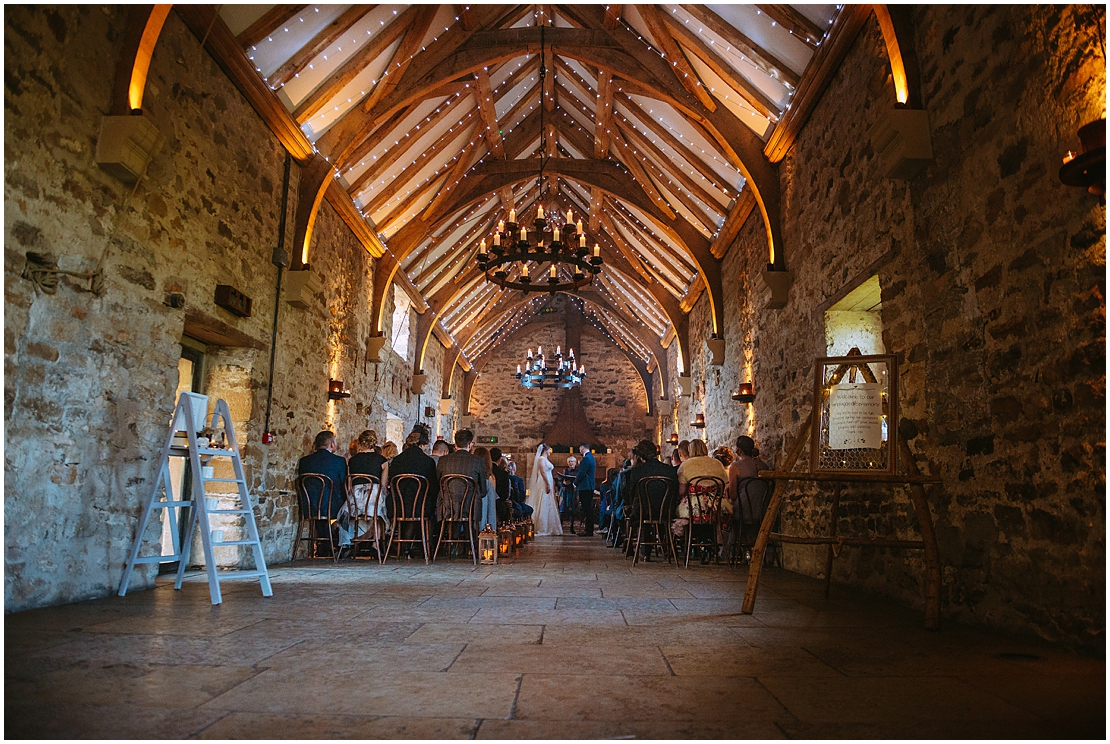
(663, 125)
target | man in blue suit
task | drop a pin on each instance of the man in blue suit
(324, 461)
(584, 484)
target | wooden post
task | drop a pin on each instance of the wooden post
(928, 536)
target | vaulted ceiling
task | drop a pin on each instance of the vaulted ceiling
(433, 159)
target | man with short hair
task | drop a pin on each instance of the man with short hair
(584, 485)
(439, 449)
(645, 463)
(501, 484)
(517, 494)
(324, 461)
(413, 460)
(461, 462)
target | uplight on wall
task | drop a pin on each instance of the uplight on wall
(745, 393)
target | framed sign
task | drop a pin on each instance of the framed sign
(856, 413)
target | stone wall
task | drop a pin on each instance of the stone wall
(992, 300)
(90, 379)
(612, 393)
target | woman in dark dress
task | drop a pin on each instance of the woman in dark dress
(367, 462)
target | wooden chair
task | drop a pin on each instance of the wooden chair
(655, 517)
(318, 518)
(408, 510)
(752, 497)
(704, 495)
(366, 508)
(457, 512)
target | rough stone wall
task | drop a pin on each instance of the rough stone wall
(993, 301)
(612, 393)
(90, 379)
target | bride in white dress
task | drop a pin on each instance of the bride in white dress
(541, 496)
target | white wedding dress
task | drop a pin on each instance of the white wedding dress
(541, 497)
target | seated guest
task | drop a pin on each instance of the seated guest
(439, 449)
(645, 463)
(490, 513)
(461, 462)
(724, 454)
(746, 465)
(517, 494)
(324, 461)
(697, 465)
(389, 450)
(367, 461)
(415, 462)
(501, 484)
(606, 506)
(353, 448)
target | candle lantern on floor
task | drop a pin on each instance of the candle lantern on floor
(518, 535)
(505, 540)
(531, 528)
(487, 546)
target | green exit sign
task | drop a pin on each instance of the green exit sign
(487, 440)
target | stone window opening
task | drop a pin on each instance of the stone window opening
(402, 323)
(856, 320)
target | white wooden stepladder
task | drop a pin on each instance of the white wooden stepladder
(161, 497)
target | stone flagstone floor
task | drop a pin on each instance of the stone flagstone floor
(568, 641)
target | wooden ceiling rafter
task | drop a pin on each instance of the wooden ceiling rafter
(672, 285)
(722, 69)
(268, 23)
(803, 29)
(667, 252)
(403, 145)
(319, 43)
(653, 19)
(403, 56)
(349, 70)
(766, 62)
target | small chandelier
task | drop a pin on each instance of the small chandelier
(537, 373)
(571, 265)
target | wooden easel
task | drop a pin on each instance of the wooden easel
(914, 478)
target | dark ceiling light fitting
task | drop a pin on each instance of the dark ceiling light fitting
(1088, 168)
(538, 374)
(571, 265)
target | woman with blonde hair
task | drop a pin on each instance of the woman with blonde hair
(489, 493)
(700, 464)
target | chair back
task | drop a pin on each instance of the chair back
(656, 495)
(704, 494)
(320, 486)
(362, 503)
(407, 493)
(753, 495)
(457, 496)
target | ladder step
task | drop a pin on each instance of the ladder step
(170, 504)
(222, 575)
(229, 511)
(223, 480)
(229, 543)
(157, 559)
(184, 452)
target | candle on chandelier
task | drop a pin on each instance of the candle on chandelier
(570, 353)
(501, 226)
(570, 217)
(556, 235)
(496, 239)
(518, 372)
(552, 271)
(581, 241)
(524, 271)
(512, 216)
(529, 353)
(578, 226)
(539, 212)
(597, 250)
(524, 234)
(482, 247)
(539, 351)
(558, 351)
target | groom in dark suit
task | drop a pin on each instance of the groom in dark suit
(584, 484)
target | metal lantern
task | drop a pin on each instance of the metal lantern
(487, 546)
(518, 535)
(504, 540)
(531, 526)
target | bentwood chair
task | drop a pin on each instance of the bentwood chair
(318, 516)
(407, 494)
(704, 495)
(656, 496)
(457, 497)
(364, 501)
(752, 497)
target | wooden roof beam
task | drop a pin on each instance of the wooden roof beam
(722, 69)
(270, 21)
(760, 57)
(350, 69)
(803, 29)
(299, 62)
(653, 18)
(738, 214)
(404, 55)
(603, 114)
